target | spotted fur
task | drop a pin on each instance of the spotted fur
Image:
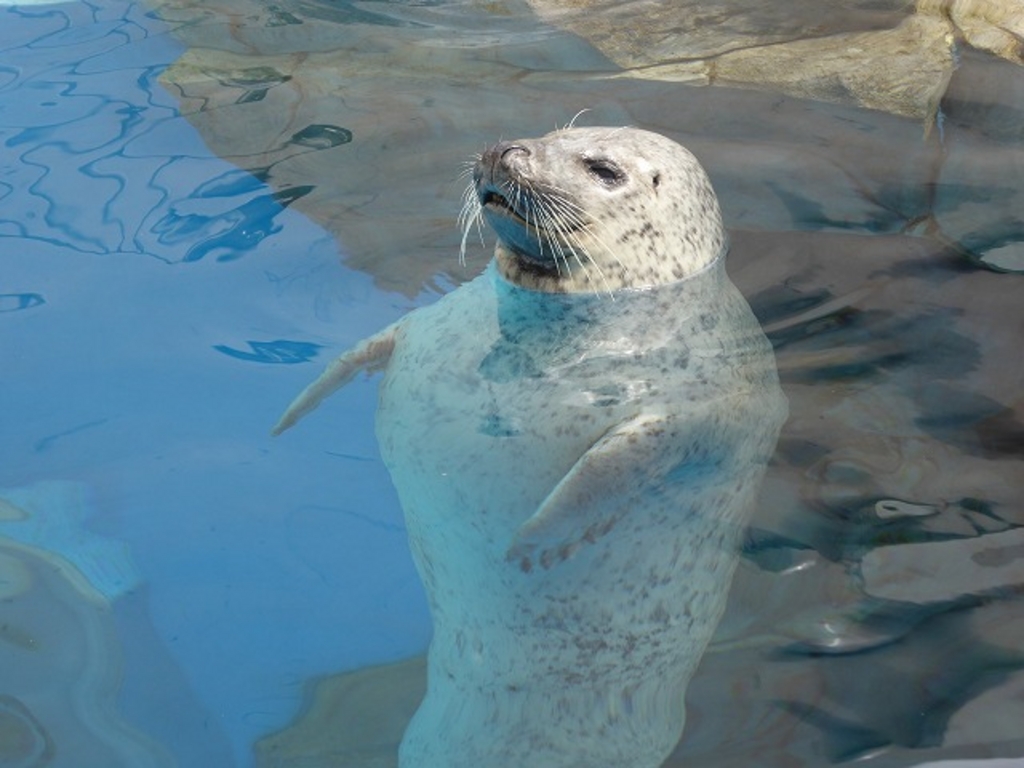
(575, 472)
(595, 209)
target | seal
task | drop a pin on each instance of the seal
(596, 209)
(577, 437)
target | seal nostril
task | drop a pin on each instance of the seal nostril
(501, 157)
(513, 149)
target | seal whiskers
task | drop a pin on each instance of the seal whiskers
(471, 214)
(557, 223)
(564, 225)
(564, 209)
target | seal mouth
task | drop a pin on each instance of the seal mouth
(495, 202)
(518, 228)
(535, 212)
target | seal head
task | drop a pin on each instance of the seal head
(596, 210)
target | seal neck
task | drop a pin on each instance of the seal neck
(522, 274)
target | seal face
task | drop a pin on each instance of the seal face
(596, 209)
(575, 471)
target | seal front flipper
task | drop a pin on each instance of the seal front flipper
(370, 355)
(593, 496)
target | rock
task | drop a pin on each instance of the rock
(996, 26)
(54, 514)
(847, 56)
(351, 720)
(980, 204)
(903, 70)
(651, 32)
(62, 665)
(979, 198)
(937, 571)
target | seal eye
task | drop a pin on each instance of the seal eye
(605, 171)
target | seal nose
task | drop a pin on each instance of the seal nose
(503, 155)
(508, 150)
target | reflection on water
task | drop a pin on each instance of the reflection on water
(145, 283)
(58, 635)
(142, 282)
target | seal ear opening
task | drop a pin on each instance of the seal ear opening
(656, 180)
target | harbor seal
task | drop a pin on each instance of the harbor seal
(576, 437)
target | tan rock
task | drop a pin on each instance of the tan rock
(846, 59)
(935, 571)
(651, 32)
(62, 664)
(996, 26)
(352, 720)
(903, 71)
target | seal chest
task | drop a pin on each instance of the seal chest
(576, 437)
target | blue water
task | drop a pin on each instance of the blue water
(173, 580)
(149, 293)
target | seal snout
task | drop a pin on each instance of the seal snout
(511, 149)
(504, 156)
(502, 162)
(497, 176)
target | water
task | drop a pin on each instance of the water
(148, 285)
(196, 214)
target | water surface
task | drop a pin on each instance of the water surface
(202, 205)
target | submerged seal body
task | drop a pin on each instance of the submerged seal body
(576, 437)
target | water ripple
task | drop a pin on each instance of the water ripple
(103, 174)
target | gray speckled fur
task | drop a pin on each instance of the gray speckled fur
(575, 472)
(659, 223)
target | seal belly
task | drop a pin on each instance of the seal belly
(491, 400)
